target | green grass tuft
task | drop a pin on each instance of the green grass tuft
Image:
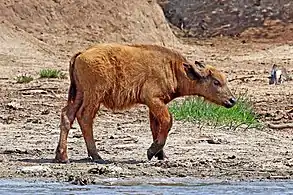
(198, 110)
(24, 79)
(52, 73)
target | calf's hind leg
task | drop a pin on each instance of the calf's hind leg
(161, 122)
(67, 117)
(85, 117)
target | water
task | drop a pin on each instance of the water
(158, 186)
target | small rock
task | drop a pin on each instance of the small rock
(278, 117)
(33, 120)
(231, 157)
(268, 114)
(3, 158)
(14, 105)
(115, 170)
(70, 178)
(15, 151)
(45, 112)
(77, 136)
(77, 180)
(213, 141)
(35, 169)
(289, 163)
(28, 127)
(99, 170)
(278, 177)
(57, 1)
(102, 170)
(7, 119)
(181, 175)
(190, 142)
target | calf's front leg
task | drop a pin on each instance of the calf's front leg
(154, 125)
(161, 123)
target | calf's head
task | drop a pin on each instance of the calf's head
(208, 82)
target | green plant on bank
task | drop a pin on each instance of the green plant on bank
(52, 73)
(198, 110)
(24, 79)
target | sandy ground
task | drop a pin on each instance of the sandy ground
(29, 119)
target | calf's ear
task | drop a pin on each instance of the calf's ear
(192, 72)
(201, 65)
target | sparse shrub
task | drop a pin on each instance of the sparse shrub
(24, 79)
(198, 110)
(52, 73)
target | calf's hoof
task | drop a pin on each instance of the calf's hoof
(61, 158)
(150, 154)
(161, 155)
(154, 150)
(61, 161)
(97, 159)
(100, 161)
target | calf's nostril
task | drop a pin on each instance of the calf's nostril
(232, 100)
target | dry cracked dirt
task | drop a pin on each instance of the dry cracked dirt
(30, 112)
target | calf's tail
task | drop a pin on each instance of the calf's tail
(72, 88)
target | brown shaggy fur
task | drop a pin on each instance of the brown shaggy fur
(120, 76)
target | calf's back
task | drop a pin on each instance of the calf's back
(123, 75)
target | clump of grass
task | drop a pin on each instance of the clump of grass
(198, 110)
(52, 73)
(24, 79)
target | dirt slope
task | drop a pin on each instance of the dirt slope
(79, 23)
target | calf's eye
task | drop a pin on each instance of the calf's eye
(216, 83)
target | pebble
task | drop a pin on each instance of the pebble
(34, 169)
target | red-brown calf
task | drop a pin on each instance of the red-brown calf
(120, 76)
